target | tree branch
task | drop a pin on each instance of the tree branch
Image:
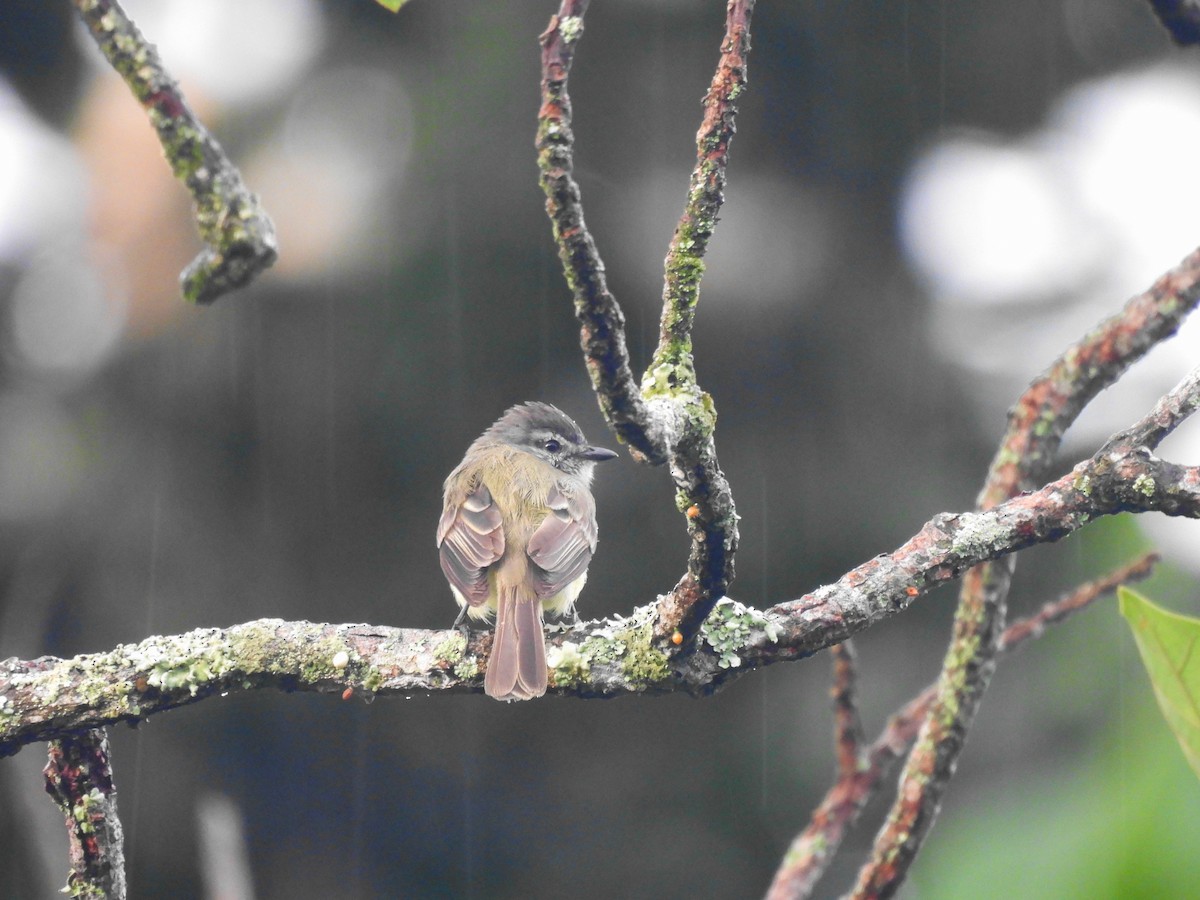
(79, 778)
(847, 730)
(602, 323)
(673, 366)
(951, 543)
(239, 235)
(51, 698)
(814, 848)
(702, 491)
(1036, 426)
(1166, 416)
(669, 419)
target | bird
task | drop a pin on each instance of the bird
(516, 535)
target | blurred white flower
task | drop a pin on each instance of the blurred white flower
(988, 223)
(1026, 245)
(233, 52)
(331, 176)
(61, 319)
(42, 184)
(1127, 146)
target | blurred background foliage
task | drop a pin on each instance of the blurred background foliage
(927, 202)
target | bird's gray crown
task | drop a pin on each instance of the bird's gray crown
(533, 422)
(546, 432)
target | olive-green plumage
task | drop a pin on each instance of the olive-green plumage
(517, 532)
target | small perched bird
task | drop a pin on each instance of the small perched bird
(517, 532)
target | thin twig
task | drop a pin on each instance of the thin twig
(702, 491)
(79, 778)
(1166, 416)
(1034, 626)
(1025, 455)
(601, 321)
(673, 366)
(847, 726)
(811, 852)
(239, 235)
(669, 419)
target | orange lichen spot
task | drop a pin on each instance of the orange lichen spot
(348, 693)
(677, 638)
(693, 511)
(911, 591)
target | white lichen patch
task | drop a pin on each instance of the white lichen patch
(729, 627)
(1145, 485)
(571, 28)
(185, 661)
(976, 534)
(568, 663)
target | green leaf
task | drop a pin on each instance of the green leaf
(392, 5)
(1168, 643)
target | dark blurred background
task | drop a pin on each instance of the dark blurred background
(926, 203)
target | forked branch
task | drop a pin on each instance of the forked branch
(668, 418)
(1025, 457)
(810, 853)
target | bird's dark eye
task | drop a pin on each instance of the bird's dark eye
(552, 446)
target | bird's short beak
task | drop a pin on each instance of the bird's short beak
(597, 454)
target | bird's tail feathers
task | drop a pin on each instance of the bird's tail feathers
(517, 667)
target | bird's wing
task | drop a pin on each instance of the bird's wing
(563, 544)
(470, 538)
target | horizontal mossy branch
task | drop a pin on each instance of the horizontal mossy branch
(50, 698)
(1112, 482)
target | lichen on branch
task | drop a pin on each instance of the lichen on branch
(1025, 456)
(238, 234)
(79, 779)
(668, 418)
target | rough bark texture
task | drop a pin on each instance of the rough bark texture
(669, 418)
(79, 778)
(1026, 454)
(810, 853)
(240, 237)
